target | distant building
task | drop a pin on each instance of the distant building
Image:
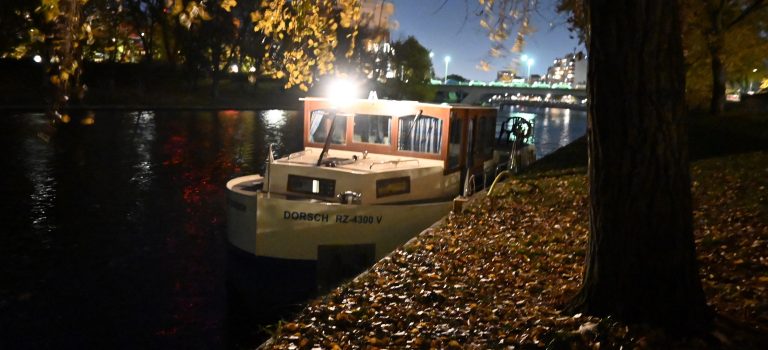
(580, 73)
(569, 70)
(505, 76)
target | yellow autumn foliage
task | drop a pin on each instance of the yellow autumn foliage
(227, 5)
(66, 33)
(306, 33)
(504, 20)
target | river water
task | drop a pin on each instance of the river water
(113, 234)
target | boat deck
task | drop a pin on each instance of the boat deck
(356, 161)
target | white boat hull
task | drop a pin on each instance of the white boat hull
(273, 226)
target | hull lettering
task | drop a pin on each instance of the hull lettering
(301, 216)
(339, 218)
(358, 219)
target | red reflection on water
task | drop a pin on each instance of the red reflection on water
(167, 332)
(203, 154)
(175, 147)
(229, 113)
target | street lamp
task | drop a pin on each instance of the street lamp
(431, 67)
(529, 61)
(447, 59)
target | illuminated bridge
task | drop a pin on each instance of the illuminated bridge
(496, 94)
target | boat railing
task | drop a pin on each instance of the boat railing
(395, 162)
(298, 154)
(469, 185)
(303, 196)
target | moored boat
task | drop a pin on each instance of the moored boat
(372, 174)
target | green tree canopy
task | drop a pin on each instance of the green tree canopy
(456, 77)
(412, 61)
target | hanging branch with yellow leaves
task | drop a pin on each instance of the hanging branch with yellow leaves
(68, 33)
(502, 19)
(303, 36)
(190, 12)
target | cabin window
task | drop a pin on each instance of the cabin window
(454, 142)
(393, 186)
(311, 185)
(422, 134)
(320, 122)
(372, 129)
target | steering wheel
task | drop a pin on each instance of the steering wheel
(522, 129)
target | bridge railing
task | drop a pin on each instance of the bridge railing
(535, 85)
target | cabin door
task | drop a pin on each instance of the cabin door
(473, 159)
(470, 145)
(480, 140)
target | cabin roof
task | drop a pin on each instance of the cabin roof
(427, 104)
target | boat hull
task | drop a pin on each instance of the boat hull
(300, 246)
(273, 226)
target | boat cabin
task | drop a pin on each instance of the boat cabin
(386, 151)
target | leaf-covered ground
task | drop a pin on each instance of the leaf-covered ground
(497, 275)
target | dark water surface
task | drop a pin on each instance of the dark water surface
(113, 235)
(553, 127)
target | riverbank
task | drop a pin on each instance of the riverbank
(498, 274)
(136, 86)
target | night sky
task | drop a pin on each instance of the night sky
(456, 32)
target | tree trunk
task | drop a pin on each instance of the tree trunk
(215, 69)
(147, 41)
(170, 49)
(641, 264)
(717, 105)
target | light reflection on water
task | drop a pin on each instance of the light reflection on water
(114, 230)
(36, 160)
(554, 127)
(144, 130)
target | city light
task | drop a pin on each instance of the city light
(529, 61)
(447, 59)
(37, 59)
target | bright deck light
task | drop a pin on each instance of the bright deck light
(341, 91)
